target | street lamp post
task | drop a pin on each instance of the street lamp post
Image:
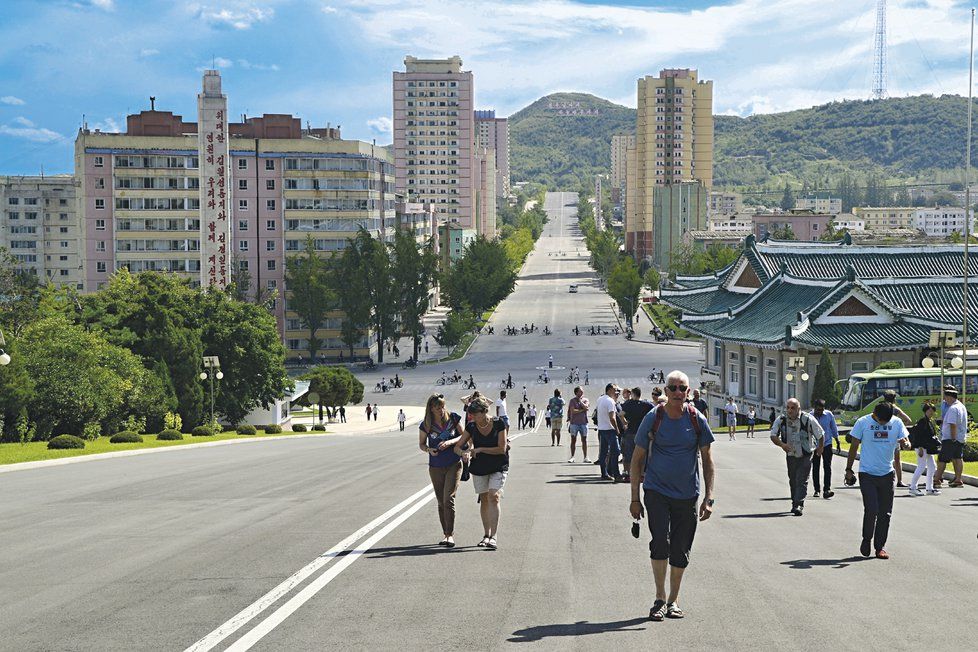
(794, 364)
(213, 363)
(940, 339)
(4, 356)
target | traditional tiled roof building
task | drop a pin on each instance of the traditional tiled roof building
(784, 300)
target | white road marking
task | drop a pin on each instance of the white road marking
(264, 602)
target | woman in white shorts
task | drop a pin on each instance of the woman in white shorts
(488, 464)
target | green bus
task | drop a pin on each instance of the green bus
(913, 386)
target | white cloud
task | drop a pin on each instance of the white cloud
(108, 125)
(148, 52)
(24, 122)
(11, 100)
(105, 5)
(248, 65)
(382, 125)
(328, 9)
(36, 134)
(237, 15)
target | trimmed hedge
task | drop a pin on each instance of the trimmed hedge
(202, 431)
(319, 428)
(170, 435)
(299, 427)
(273, 429)
(247, 429)
(126, 437)
(971, 451)
(62, 442)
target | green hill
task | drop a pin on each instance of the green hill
(911, 137)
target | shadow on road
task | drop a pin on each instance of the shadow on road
(965, 502)
(416, 551)
(579, 479)
(768, 515)
(580, 628)
(808, 564)
(556, 276)
(784, 498)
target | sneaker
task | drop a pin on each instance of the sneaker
(864, 548)
(882, 554)
(570, 461)
(916, 492)
(828, 494)
(817, 494)
(900, 484)
(934, 492)
(796, 511)
(587, 461)
(801, 510)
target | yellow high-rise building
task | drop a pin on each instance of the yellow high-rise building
(674, 144)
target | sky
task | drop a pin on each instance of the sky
(330, 61)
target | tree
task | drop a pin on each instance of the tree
(16, 390)
(652, 279)
(245, 338)
(352, 297)
(453, 329)
(902, 197)
(624, 285)
(481, 278)
(381, 298)
(20, 294)
(824, 386)
(310, 295)
(415, 269)
(788, 198)
(784, 233)
(335, 386)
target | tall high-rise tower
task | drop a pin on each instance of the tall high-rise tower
(673, 145)
(879, 61)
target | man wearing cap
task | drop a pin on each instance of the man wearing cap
(800, 436)
(954, 430)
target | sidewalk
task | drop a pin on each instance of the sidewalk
(357, 424)
(432, 320)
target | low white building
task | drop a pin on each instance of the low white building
(849, 222)
(942, 221)
(730, 224)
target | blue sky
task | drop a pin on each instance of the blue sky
(330, 61)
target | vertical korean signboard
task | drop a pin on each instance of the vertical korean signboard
(215, 184)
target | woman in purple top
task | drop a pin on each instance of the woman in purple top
(438, 433)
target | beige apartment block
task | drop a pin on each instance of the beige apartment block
(434, 137)
(493, 134)
(40, 227)
(674, 144)
(619, 158)
(725, 204)
(883, 218)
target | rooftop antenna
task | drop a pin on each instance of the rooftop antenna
(152, 103)
(879, 61)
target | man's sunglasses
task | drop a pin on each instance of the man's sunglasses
(677, 388)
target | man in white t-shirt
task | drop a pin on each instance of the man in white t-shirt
(501, 413)
(954, 430)
(731, 412)
(401, 418)
(608, 434)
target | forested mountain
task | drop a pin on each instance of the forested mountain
(912, 137)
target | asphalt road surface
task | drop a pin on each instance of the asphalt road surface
(321, 544)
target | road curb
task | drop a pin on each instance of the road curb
(907, 466)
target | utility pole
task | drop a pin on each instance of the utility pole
(879, 47)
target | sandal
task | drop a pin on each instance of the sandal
(491, 543)
(482, 544)
(673, 611)
(658, 611)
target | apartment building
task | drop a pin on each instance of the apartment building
(674, 144)
(453, 238)
(884, 218)
(145, 201)
(942, 221)
(39, 227)
(493, 134)
(725, 204)
(619, 160)
(819, 202)
(805, 225)
(434, 137)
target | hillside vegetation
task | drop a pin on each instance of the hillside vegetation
(918, 137)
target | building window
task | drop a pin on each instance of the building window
(270, 204)
(269, 164)
(271, 265)
(242, 184)
(242, 164)
(270, 184)
(271, 284)
(63, 216)
(242, 204)
(100, 183)
(858, 366)
(99, 225)
(242, 225)
(772, 386)
(242, 245)
(63, 272)
(269, 225)
(98, 162)
(752, 381)
(717, 354)
(243, 265)
(734, 376)
(100, 267)
(100, 204)
(269, 245)
(100, 245)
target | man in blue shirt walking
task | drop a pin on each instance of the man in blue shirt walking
(879, 435)
(824, 458)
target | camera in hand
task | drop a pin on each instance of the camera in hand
(635, 529)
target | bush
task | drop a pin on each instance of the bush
(216, 427)
(246, 429)
(202, 431)
(135, 424)
(92, 431)
(298, 427)
(319, 428)
(273, 429)
(170, 435)
(173, 421)
(126, 437)
(971, 451)
(62, 442)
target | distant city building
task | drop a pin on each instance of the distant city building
(677, 208)
(40, 227)
(723, 204)
(819, 202)
(704, 239)
(143, 194)
(941, 222)
(673, 145)
(888, 217)
(619, 160)
(435, 142)
(805, 225)
(453, 238)
(494, 135)
(848, 222)
(484, 173)
(732, 223)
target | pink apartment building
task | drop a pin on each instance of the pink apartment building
(805, 224)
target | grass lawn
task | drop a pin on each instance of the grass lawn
(970, 468)
(34, 451)
(665, 317)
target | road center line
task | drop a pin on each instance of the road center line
(254, 609)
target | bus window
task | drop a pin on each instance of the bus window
(913, 387)
(851, 400)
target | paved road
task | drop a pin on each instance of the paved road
(158, 552)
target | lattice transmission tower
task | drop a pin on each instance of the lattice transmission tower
(879, 61)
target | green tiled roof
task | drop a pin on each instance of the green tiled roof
(868, 262)
(935, 300)
(704, 302)
(862, 337)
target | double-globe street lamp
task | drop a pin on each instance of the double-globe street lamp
(213, 363)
